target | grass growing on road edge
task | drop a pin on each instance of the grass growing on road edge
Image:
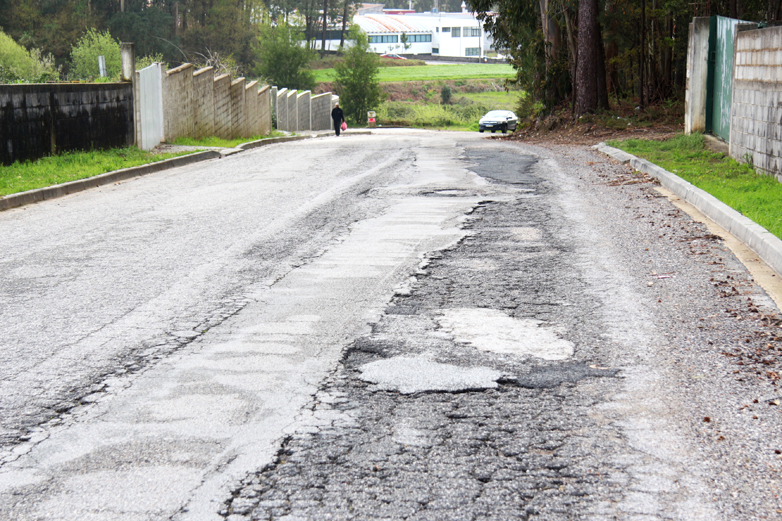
(756, 196)
(214, 141)
(70, 166)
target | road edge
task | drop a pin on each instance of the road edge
(758, 239)
(52, 192)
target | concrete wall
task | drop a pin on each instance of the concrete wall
(222, 106)
(321, 112)
(251, 125)
(237, 107)
(293, 112)
(148, 106)
(203, 103)
(178, 89)
(273, 95)
(697, 68)
(38, 120)
(265, 98)
(282, 109)
(303, 106)
(756, 116)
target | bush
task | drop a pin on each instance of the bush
(445, 95)
(284, 59)
(146, 61)
(17, 65)
(84, 56)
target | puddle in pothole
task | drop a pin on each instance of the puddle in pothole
(493, 330)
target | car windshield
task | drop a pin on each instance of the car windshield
(496, 114)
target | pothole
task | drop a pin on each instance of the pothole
(492, 330)
(409, 375)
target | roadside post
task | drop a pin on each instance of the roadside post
(371, 119)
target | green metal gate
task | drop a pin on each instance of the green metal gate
(722, 32)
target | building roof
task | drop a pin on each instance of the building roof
(376, 23)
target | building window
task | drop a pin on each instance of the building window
(386, 38)
(474, 31)
(472, 51)
(446, 29)
(413, 38)
(435, 50)
(437, 29)
(456, 32)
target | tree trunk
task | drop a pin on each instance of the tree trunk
(344, 23)
(325, 18)
(573, 58)
(642, 59)
(588, 95)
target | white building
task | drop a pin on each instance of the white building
(437, 34)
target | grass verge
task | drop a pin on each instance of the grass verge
(432, 72)
(70, 166)
(756, 196)
(214, 141)
(434, 116)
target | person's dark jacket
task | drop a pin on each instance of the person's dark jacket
(337, 115)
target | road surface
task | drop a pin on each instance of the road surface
(403, 325)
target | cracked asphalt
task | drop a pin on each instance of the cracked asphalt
(439, 327)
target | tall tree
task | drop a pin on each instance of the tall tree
(590, 70)
(356, 80)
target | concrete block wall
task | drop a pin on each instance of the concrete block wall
(304, 108)
(251, 109)
(273, 95)
(203, 103)
(237, 107)
(39, 120)
(293, 112)
(178, 115)
(756, 114)
(321, 111)
(697, 69)
(282, 109)
(222, 106)
(265, 97)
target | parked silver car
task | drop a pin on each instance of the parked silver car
(494, 120)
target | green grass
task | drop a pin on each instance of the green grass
(214, 141)
(757, 196)
(432, 72)
(433, 116)
(498, 100)
(71, 166)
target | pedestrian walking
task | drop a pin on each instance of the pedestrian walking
(338, 116)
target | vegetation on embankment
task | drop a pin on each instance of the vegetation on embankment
(70, 166)
(432, 72)
(757, 196)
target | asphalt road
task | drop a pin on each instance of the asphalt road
(407, 325)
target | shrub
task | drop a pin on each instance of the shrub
(17, 65)
(84, 56)
(445, 95)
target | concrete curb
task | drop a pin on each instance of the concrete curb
(51, 192)
(758, 239)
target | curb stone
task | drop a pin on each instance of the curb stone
(758, 239)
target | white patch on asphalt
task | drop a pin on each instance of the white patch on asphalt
(409, 375)
(493, 330)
